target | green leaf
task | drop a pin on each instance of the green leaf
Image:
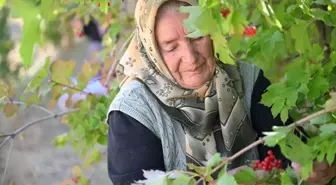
(189, 23)
(316, 53)
(215, 160)
(324, 118)
(333, 40)
(61, 71)
(327, 129)
(102, 139)
(307, 168)
(317, 86)
(272, 138)
(227, 180)
(292, 147)
(197, 169)
(39, 77)
(300, 35)
(221, 49)
(284, 114)
(331, 64)
(10, 109)
(331, 153)
(104, 5)
(285, 179)
(246, 176)
(183, 180)
(31, 36)
(278, 105)
(2, 3)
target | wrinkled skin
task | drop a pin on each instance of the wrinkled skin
(190, 61)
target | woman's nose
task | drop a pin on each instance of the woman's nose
(189, 54)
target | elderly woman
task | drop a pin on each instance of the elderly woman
(178, 104)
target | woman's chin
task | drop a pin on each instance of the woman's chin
(194, 82)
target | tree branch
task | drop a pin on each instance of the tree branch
(25, 126)
(300, 122)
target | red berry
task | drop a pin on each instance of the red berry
(265, 168)
(250, 31)
(260, 165)
(258, 162)
(74, 180)
(80, 35)
(225, 13)
(98, 4)
(270, 152)
(108, 4)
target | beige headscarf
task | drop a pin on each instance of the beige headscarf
(197, 109)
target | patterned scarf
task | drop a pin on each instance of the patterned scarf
(219, 100)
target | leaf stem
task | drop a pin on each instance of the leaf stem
(67, 86)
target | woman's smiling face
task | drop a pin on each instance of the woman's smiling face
(190, 61)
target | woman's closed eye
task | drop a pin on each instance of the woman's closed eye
(170, 48)
(197, 39)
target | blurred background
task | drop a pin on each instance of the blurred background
(74, 35)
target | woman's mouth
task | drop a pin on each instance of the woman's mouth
(195, 69)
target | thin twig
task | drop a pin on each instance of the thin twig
(300, 122)
(67, 86)
(7, 160)
(25, 126)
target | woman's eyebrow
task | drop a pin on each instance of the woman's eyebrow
(168, 41)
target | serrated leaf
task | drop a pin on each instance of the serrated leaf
(316, 53)
(300, 35)
(272, 138)
(227, 180)
(292, 147)
(10, 109)
(246, 176)
(317, 86)
(221, 49)
(328, 129)
(194, 13)
(278, 104)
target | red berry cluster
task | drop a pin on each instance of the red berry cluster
(250, 31)
(107, 4)
(225, 13)
(75, 180)
(80, 34)
(268, 163)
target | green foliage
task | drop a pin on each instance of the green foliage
(294, 45)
